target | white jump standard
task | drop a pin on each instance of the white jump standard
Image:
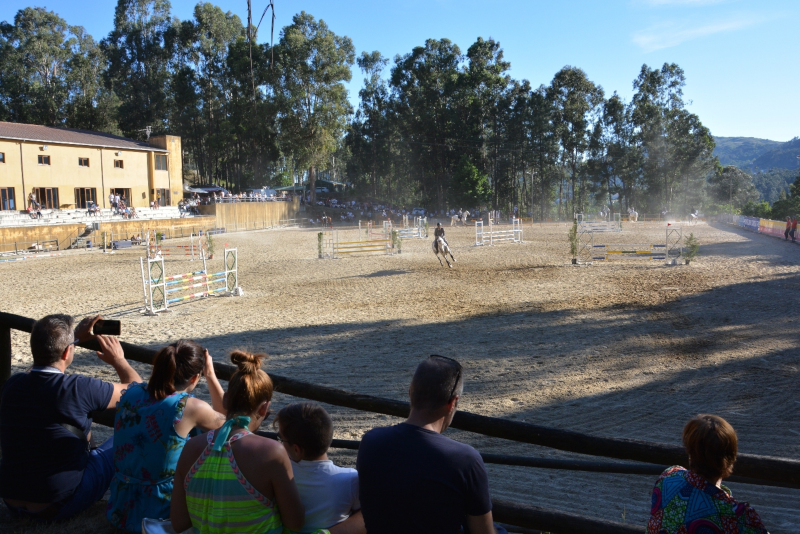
(512, 235)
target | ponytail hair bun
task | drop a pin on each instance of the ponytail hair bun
(245, 362)
(249, 386)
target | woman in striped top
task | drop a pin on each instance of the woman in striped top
(231, 480)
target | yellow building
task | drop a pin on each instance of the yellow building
(66, 168)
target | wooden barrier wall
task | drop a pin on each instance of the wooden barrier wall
(251, 215)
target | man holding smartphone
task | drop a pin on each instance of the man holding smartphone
(48, 470)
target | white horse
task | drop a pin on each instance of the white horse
(460, 216)
(442, 250)
(633, 215)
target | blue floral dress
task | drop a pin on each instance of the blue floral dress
(146, 450)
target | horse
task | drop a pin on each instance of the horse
(633, 215)
(443, 250)
(460, 216)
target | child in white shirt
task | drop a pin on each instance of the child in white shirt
(328, 492)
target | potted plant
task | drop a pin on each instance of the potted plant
(692, 247)
(573, 241)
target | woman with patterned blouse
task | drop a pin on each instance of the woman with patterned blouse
(152, 424)
(694, 501)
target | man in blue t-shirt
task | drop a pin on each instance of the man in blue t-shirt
(412, 478)
(47, 470)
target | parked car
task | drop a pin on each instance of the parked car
(418, 211)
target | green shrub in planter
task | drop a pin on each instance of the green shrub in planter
(692, 247)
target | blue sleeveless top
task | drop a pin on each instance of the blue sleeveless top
(146, 451)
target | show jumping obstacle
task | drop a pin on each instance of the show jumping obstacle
(160, 290)
(599, 225)
(335, 249)
(513, 235)
(408, 233)
(368, 227)
(670, 250)
(199, 249)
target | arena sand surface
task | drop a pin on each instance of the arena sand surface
(623, 348)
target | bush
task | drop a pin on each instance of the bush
(692, 247)
(573, 239)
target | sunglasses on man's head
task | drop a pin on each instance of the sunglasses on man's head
(458, 376)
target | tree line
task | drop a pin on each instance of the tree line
(439, 127)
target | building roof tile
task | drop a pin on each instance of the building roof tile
(69, 136)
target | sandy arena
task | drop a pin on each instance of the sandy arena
(623, 348)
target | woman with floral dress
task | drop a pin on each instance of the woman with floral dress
(152, 424)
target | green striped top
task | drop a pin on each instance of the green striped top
(221, 500)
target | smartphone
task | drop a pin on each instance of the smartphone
(106, 328)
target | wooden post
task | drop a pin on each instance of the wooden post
(5, 354)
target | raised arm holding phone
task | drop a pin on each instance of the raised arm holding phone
(48, 470)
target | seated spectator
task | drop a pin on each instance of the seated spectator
(233, 467)
(329, 493)
(48, 470)
(151, 427)
(711, 444)
(412, 478)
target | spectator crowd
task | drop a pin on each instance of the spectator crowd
(177, 463)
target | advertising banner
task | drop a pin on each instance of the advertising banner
(751, 223)
(774, 228)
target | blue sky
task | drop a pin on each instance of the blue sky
(740, 56)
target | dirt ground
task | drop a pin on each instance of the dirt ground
(620, 348)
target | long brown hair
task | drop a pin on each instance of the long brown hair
(173, 368)
(249, 386)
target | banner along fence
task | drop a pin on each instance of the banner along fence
(750, 468)
(754, 224)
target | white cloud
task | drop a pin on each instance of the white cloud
(671, 34)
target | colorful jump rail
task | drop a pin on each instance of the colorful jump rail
(160, 290)
(335, 249)
(512, 235)
(647, 252)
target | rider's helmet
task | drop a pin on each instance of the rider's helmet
(438, 224)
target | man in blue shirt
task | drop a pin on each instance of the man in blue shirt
(47, 470)
(411, 477)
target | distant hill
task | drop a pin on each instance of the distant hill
(753, 155)
(773, 164)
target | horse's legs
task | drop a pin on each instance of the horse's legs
(440, 260)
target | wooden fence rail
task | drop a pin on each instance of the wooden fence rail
(768, 468)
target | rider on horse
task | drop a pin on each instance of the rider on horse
(437, 233)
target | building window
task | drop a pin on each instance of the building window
(44, 160)
(118, 164)
(47, 197)
(2, 157)
(83, 162)
(161, 162)
(84, 195)
(7, 199)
